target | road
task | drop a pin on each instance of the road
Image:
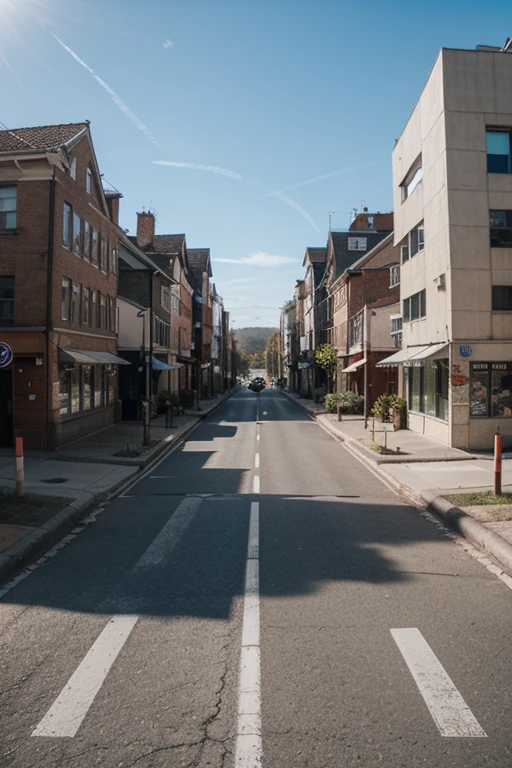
(258, 597)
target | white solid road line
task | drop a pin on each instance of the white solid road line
(71, 706)
(248, 739)
(256, 484)
(451, 714)
(67, 712)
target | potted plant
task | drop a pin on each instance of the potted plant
(381, 408)
(399, 408)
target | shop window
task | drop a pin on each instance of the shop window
(98, 386)
(498, 152)
(87, 376)
(491, 390)
(7, 207)
(75, 389)
(500, 227)
(6, 300)
(64, 391)
(67, 226)
(427, 388)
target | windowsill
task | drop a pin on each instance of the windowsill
(428, 416)
(416, 320)
(6, 232)
(413, 256)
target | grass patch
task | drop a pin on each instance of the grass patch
(483, 498)
(30, 509)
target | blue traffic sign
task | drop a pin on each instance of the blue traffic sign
(5, 354)
(465, 350)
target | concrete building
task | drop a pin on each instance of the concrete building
(452, 180)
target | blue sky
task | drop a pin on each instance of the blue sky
(215, 112)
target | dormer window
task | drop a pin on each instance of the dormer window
(88, 182)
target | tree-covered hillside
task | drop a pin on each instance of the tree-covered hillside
(253, 340)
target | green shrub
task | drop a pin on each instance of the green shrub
(353, 403)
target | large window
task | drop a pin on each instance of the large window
(84, 387)
(502, 298)
(75, 303)
(491, 390)
(413, 242)
(415, 306)
(7, 207)
(500, 226)
(6, 299)
(498, 152)
(77, 235)
(413, 178)
(427, 388)
(66, 299)
(67, 226)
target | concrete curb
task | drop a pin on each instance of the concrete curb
(44, 537)
(454, 517)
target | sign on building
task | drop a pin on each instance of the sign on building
(357, 243)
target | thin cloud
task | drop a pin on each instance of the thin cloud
(240, 279)
(113, 95)
(260, 259)
(237, 177)
(199, 167)
(168, 44)
(323, 177)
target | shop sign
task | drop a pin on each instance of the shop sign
(5, 354)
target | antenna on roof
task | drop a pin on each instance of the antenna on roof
(330, 213)
(4, 126)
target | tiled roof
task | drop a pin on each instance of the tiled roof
(317, 255)
(199, 260)
(345, 258)
(42, 137)
(168, 244)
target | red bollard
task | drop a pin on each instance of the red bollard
(497, 463)
(20, 469)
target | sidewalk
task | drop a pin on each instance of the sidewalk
(84, 474)
(426, 471)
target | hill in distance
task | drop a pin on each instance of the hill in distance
(253, 340)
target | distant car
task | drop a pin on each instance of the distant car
(257, 384)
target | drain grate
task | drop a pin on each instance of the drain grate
(56, 480)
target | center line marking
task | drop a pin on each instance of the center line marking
(248, 739)
(451, 714)
(257, 461)
(256, 484)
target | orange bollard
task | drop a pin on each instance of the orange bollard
(20, 469)
(497, 463)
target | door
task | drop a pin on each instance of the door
(6, 408)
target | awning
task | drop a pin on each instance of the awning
(86, 357)
(158, 365)
(354, 366)
(412, 354)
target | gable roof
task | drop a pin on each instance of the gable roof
(41, 138)
(345, 257)
(315, 256)
(199, 261)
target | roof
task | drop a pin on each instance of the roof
(199, 261)
(315, 256)
(345, 257)
(42, 137)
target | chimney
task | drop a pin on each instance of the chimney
(112, 199)
(145, 229)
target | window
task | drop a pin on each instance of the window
(86, 240)
(66, 299)
(500, 225)
(85, 306)
(88, 181)
(6, 299)
(72, 169)
(94, 246)
(103, 253)
(94, 309)
(491, 390)
(394, 275)
(110, 316)
(75, 304)
(498, 152)
(501, 298)
(166, 299)
(395, 324)
(413, 178)
(113, 265)
(98, 386)
(7, 207)
(397, 339)
(413, 243)
(75, 389)
(102, 321)
(415, 306)
(67, 226)
(175, 304)
(427, 388)
(355, 329)
(86, 387)
(77, 235)
(64, 391)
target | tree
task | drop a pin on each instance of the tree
(242, 361)
(326, 357)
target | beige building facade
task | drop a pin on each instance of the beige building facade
(452, 182)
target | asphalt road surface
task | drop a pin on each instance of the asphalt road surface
(258, 599)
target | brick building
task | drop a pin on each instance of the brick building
(201, 270)
(58, 288)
